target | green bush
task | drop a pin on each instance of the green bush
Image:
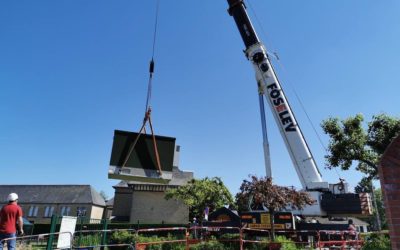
(287, 244)
(208, 245)
(230, 236)
(123, 237)
(376, 241)
(255, 246)
(162, 246)
(87, 240)
(231, 241)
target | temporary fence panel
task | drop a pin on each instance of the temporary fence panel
(109, 246)
(41, 241)
(185, 238)
(229, 237)
(339, 239)
(253, 238)
(160, 236)
(97, 238)
(303, 239)
(82, 223)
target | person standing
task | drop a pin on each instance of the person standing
(10, 214)
(351, 227)
(352, 231)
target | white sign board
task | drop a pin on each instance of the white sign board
(67, 229)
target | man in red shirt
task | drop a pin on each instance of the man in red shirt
(10, 214)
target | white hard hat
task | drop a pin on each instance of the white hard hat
(12, 197)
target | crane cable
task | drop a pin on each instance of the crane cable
(147, 115)
(151, 67)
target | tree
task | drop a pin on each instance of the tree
(104, 195)
(380, 210)
(350, 142)
(261, 191)
(199, 194)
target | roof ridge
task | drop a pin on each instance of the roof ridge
(60, 193)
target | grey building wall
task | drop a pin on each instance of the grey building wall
(145, 202)
(122, 202)
(152, 207)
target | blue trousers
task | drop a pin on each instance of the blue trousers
(10, 243)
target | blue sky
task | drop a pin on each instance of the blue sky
(73, 71)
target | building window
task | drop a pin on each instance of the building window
(33, 211)
(65, 211)
(48, 212)
(81, 211)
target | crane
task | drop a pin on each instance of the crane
(330, 198)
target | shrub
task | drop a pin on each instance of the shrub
(87, 240)
(123, 237)
(208, 245)
(230, 241)
(287, 244)
(161, 246)
(254, 246)
(376, 241)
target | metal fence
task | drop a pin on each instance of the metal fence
(162, 236)
(339, 240)
(43, 241)
(98, 238)
(186, 238)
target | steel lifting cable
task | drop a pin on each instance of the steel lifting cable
(147, 116)
(151, 68)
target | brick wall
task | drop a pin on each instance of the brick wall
(389, 174)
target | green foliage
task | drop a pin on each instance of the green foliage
(123, 237)
(256, 246)
(230, 241)
(198, 194)
(376, 241)
(208, 245)
(88, 240)
(380, 210)
(286, 244)
(230, 236)
(103, 195)
(163, 246)
(350, 142)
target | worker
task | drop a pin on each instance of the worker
(352, 231)
(351, 226)
(10, 218)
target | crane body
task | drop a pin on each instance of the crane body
(270, 87)
(324, 194)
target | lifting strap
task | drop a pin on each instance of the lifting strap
(147, 115)
(142, 130)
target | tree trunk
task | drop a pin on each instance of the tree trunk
(272, 221)
(377, 216)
